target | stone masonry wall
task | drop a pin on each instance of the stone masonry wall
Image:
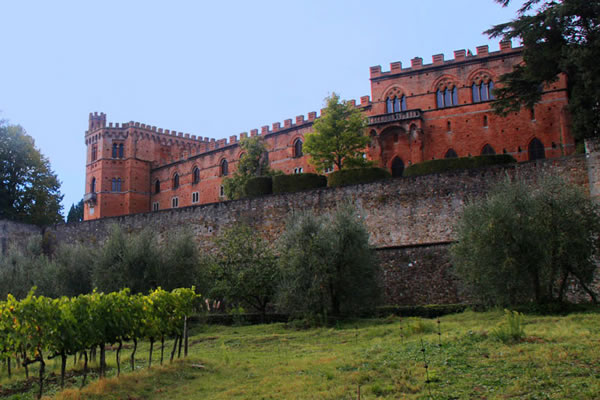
(15, 233)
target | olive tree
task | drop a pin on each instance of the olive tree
(525, 242)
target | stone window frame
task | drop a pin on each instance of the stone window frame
(223, 167)
(175, 202)
(298, 152)
(156, 206)
(195, 197)
(195, 175)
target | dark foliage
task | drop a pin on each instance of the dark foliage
(297, 182)
(450, 164)
(258, 186)
(356, 175)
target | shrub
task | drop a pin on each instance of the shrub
(511, 329)
(297, 182)
(258, 186)
(450, 164)
(356, 175)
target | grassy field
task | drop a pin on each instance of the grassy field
(559, 358)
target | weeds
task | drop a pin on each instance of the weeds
(511, 329)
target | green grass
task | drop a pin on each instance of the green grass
(558, 358)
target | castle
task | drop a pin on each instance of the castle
(424, 112)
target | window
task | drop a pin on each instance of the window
(157, 186)
(396, 104)
(329, 169)
(116, 184)
(175, 181)
(397, 167)
(114, 150)
(298, 170)
(298, 148)
(195, 175)
(451, 154)
(488, 150)
(222, 191)
(449, 126)
(155, 206)
(195, 197)
(121, 148)
(94, 152)
(485, 121)
(93, 186)
(224, 168)
(536, 150)
(175, 202)
(447, 97)
(532, 113)
(483, 91)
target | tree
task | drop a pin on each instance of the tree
(327, 265)
(524, 243)
(254, 162)
(29, 190)
(338, 138)
(75, 212)
(559, 37)
(244, 269)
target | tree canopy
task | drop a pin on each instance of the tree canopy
(558, 37)
(29, 189)
(339, 137)
(75, 212)
(527, 243)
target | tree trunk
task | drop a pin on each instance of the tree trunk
(133, 354)
(102, 360)
(26, 366)
(180, 345)
(174, 349)
(8, 368)
(75, 359)
(85, 366)
(185, 335)
(63, 368)
(563, 286)
(162, 349)
(42, 370)
(150, 356)
(119, 358)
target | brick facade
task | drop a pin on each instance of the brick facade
(125, 161)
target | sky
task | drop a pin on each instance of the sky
(209, 68)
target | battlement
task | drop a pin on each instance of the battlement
(438, 60)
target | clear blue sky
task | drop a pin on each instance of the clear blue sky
(208, 68)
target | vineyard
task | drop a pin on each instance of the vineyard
(38, 328)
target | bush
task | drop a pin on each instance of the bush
(258, 186)
(427, 311)
(297, 182)
(356, 175)
(450, 164)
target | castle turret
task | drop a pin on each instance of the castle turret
(97, 121)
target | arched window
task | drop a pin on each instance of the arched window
(488, 150)
(536, 150)
(447, 97)
(175, 181)
(485, 121)
(449, 126)
(93, 185)
(483, 91)
(399, 104)
(157, 186)
(94, 152)
(298, 148)
(224, 168)
(389, 105)
(116, 184)
(114, 150)
(397, 167)
(196, 175)
(451, 154)
(121, 150)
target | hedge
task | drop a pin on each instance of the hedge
(449, 164)
(356, 175)
(258, 186)
(297, 182)
(427, 311)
